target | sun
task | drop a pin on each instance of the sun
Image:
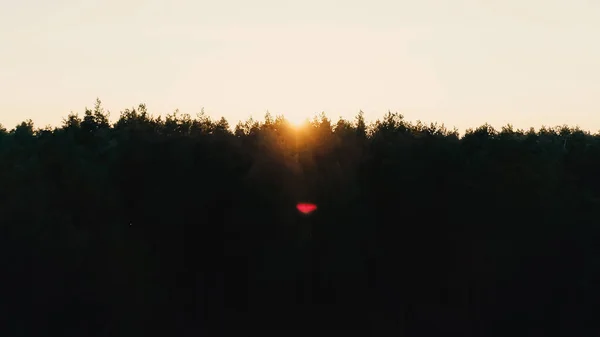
(296, 120)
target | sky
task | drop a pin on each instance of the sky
(457, 62)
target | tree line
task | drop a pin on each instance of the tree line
(184, 226)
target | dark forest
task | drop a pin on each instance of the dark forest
(187, 226)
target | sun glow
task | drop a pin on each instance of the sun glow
(296, 120)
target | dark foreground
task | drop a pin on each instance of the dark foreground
(183, 228)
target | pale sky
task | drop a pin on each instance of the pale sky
(460, 62)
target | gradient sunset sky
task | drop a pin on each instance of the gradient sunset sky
(460, 62)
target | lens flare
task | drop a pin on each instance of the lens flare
(306, 208)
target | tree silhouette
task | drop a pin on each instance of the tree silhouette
(182, 226)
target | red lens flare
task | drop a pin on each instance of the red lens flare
(306, 208)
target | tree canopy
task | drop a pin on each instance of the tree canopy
(185, 226)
